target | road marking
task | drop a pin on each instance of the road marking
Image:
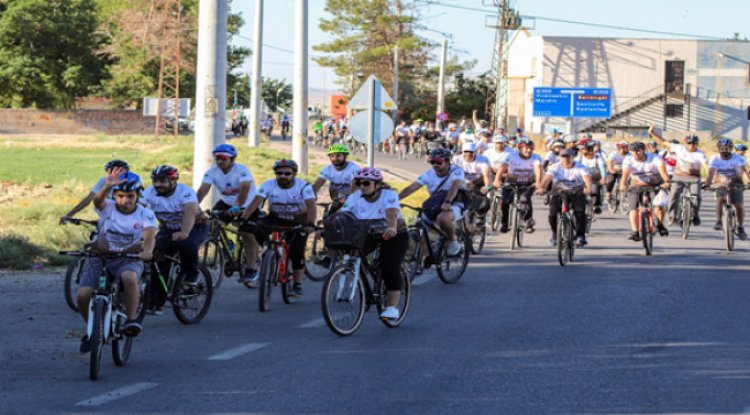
(423, 279)
(238, 351)
(117, 394)
(318, 322)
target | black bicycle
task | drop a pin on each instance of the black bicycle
(516, 215)
(319, 260)
(475, 225)
(77, 265)
(450, 269)
(223, 253)
(646, 228)
(354, 286)
(190, 298)
(496, 211)
(729, 212)
(688, 205)
(565, 232)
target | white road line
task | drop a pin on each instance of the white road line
(238, 351)
(423, 279)
(117, 394)
(318, 322)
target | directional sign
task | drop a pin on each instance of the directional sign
(361, 99)
(358, 126)
(573, 102)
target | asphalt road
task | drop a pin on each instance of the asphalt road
(616, 332)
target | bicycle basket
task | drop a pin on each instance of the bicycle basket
(344, 231)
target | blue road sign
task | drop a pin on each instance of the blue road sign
(572, 102)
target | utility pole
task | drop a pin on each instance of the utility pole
(254, 130)
(395, 83)
(441, 82)
(169, 64)
(497, 97)
(211, 86)
(299, 132)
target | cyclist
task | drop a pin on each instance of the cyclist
(740, 149)
(416, 134)
(402, 140)
(571, 142)
(553, 155)
(176, 207)
(568, 175)
(317, 128)
(595, 164)
(643, 169)
(112, 164)
(728, 168)
(123, 223)
(477, 177)
(442, 177)
(688, 162)
(285, 126)
(291, 201)
(523, 167)
(339, 174)
(236, 187)
(433, 137)
(376, 201)
(614, 167)
(498, 152)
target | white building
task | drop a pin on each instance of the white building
(678, 85)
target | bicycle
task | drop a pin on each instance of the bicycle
(275, 264)
(615, 201)
(223, 253)
(496, 211)
(688, 205)
(449, 269)
(729, 215)
(589, 213)
(564, 234)
(516, 215)
(77, 265)
(107, 314)
(319, 260)
(190, 299)
(475, 227)
(353, 287)
(646, 228)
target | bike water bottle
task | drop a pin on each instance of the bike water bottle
(230, 245)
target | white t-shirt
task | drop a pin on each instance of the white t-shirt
(523, 169)
(286, 203)
(727, 171)
(169, 209)
(647, 171)
(472, 169)
(228, 184)
(431, 180)
(593, 164)
(552, 158)
(363, 209)
(496, 157)
(687, 160)
(567, 179)
(618, 159)
(120, 232)
(340, 181)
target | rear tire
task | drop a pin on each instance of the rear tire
(562, 240)
(266, 279)
(212, 258)
(646, 236)
(76, 268)
(686, 217)
(316, 252)
(451, 269)
(191, 302)
(96, 339)
(513, 227)
(729, 227)
(410, 265)
(343, 309)
(286, 288)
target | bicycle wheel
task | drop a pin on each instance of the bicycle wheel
(96, 338)
(343, 301)
(121, 345)
(286, 288)
(212, 258)
(76, 267)
(403, 302)
(478, 237)
(319, 260)
(495, 214)
(191, 300)
(268, 267)
(647, 236)
(729, 227)
(613, 202)
(451, 269)
(562, 240)
(410, 264)
(144, 284)
(589, 215)
(686, 217)
(513, 227)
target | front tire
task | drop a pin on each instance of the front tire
(343, 301)
(646, 235)
(286, 288)
(96, 339)
(267, 272)
(687, 218)
(403, 302)
(513, 228)
(562, 241)
(212, 258)
(729, 227)
(121, 345)
(451, 269)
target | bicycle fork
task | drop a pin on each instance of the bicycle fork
(106, 318)
(348, 286)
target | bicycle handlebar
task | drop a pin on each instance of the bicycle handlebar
(76, 221)
(416, 209)
(102, 254)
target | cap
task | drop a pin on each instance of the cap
(469, 147)
(568, 152)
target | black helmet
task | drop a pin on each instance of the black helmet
(116, 163)
(440, 153)
(637, 146)
(285, 163)
(165, 171)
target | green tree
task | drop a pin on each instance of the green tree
(275, 91)
(48, 52)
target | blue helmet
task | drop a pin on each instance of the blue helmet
(740, 147)
(225, 149)
(132, 182)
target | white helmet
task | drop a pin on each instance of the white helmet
(500, 138)
(469, 147)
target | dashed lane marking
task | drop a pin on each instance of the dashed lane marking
(238, 351)
(117, 394)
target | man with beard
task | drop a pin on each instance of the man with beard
(727, 168)
(523, 168)
(339, 175)
(176, 207)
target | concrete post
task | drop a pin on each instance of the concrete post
(299, 134)
(254, 130)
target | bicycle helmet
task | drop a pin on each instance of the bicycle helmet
(469, 147)
(570, 138)
(557, 143)
(740, 147)
(586, 143)
(621, 144)
(286, 163)
(483, 123)
(370, 173)
(691, 139)
(165, 171)
(519, 131)
(132, 182)
(588, 136)
(225, 150)
(500, 138)
(524, 141)
(116, 163)
(724, 142)
(638, 146)
(440, 154)
(338, 149)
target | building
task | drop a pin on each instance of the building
(677, 85)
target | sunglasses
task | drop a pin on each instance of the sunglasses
(437, 162)
(222, 158)
(284, 173)
(364, 183)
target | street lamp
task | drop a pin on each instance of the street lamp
(279, 91)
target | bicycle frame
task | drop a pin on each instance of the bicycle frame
(280, 246)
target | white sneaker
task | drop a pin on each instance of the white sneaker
(390, 313)
(453, 248)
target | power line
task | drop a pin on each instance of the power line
(575, 22)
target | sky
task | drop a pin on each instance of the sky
(472, 40)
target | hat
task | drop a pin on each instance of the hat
(568, 152)
(469, 147)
